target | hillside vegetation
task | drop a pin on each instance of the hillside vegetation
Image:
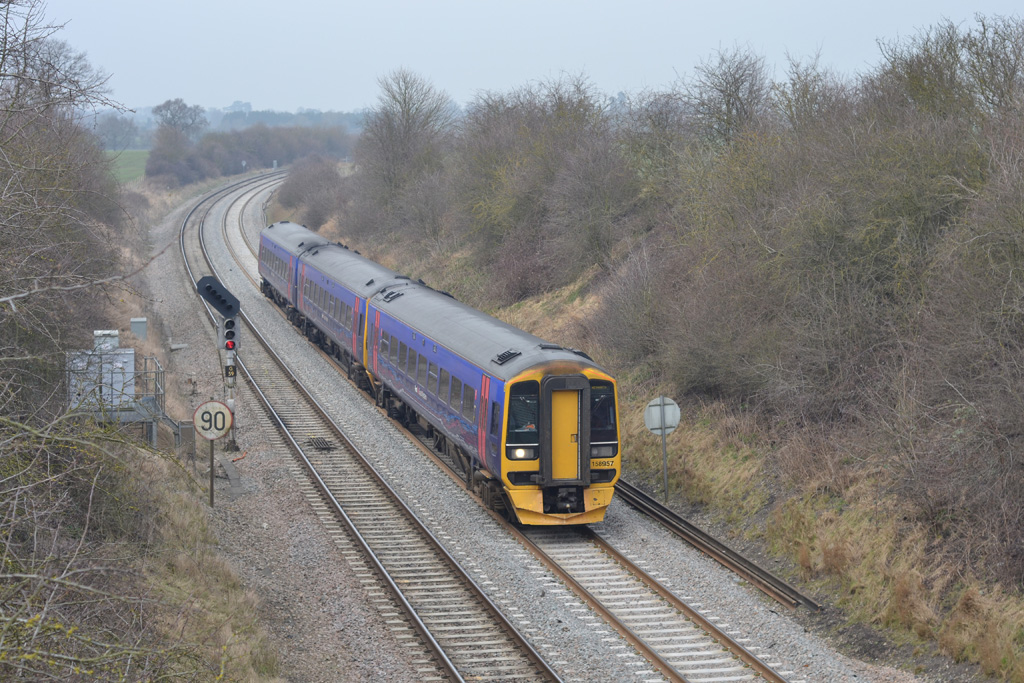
(825, 270)
(107, 565)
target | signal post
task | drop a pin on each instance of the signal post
(228, 337)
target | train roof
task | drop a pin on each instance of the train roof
(293, 237)
(499, 348)
(342, 265)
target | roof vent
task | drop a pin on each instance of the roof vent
(391, 296)
(506, 356)
(369, 282)
(548, 346)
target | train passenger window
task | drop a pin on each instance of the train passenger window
(495, 419)
(455, 400)
(394, 350)
(305, 288)
(602, 411)
(421, 370)
(432, 379)
(442, 390)
(384, 345)
(403, 356)
(469, 403)
(523, 412)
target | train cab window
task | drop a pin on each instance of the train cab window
(455, 400)
(469, 403)
(421, 370)
(403, 356)
(524, 413)
(394, 350)
(442, 389)
(432, 379)
(602, 412)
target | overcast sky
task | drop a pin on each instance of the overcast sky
(327, 55)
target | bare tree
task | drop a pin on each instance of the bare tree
(190, 121)
(116, 132)
(811, 96)
(994, 55)
(728, 93)
(405, 134)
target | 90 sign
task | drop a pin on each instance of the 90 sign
(212, 420)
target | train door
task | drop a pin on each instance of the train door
(357, 331)
(565, 430)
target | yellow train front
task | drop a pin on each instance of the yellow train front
(560, 444)
(532, 426)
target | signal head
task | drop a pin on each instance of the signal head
(229, 334)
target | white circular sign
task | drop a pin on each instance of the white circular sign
(212, 420)
(662, 413)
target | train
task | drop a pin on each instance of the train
(531, 427)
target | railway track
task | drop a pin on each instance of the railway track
(674, 636)
(677, 639)
(767, 582)
(468, 636)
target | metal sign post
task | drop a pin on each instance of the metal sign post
(212, 421)
(662, 417)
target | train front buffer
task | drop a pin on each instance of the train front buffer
(560, 456)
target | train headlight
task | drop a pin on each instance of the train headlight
(521, 452)
(603, 451)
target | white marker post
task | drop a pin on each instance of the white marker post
(212, 421)
(662, 417)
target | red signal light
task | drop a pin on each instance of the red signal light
(229, 345)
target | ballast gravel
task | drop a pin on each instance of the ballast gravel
(325, 625)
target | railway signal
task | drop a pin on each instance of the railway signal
(218, 296)
(229, 335)
(227, 305)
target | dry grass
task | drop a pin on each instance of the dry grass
(201, 601)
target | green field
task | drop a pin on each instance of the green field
(129, 165)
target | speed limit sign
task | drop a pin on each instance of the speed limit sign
(212, 420)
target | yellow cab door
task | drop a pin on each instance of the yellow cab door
(565, 435)
(565, 440)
